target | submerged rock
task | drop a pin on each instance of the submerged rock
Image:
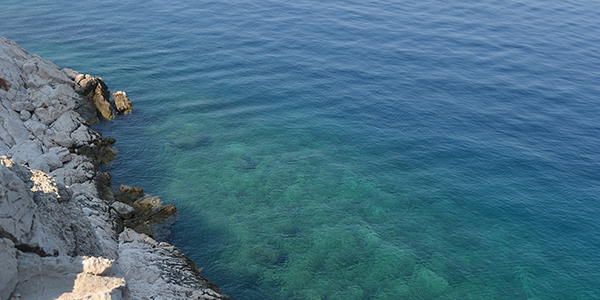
(100, 150)
(427, 283)
(150, 216)
(128, 195)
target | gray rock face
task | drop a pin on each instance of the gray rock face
(181, 282)
(9, 275)
(59, 236)
(39, 215)
(65, 277)
(125, 211)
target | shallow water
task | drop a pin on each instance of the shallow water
(354, 150)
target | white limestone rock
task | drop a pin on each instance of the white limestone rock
(79, 169)
(15, 128)
(20, 106)
(46, 162)
(26, 151)
(47, 115)
(36, 128)
(16, 204)
(4, 148)
(63, 139)
(68, 122)
(98, 265)
(58, 238)
(143, 261)
(65, 277)
(72, 74)
(88, 286)
(24, 115)
(39, 213)
(61, 153)
(46, 277)
(82, 136)
(35, 81)
(35, 66)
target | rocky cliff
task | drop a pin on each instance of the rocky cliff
(64, 234)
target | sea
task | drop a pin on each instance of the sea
(375, 149)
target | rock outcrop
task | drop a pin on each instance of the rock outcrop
(62, 233)
(122, 102)
(95, 90)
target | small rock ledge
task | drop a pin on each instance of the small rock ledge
(64, 234)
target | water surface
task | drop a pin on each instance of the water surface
(354, 150)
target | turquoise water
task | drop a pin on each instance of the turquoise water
(355, 150)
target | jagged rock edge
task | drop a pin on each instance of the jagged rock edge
(50, 158)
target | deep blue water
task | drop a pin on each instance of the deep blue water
(354, 149)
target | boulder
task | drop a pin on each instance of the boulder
(122, 102)
(85, 84)
(98, 265)
(15, 127)
(46, 162)
(101, 100)
(45, 70)
(63, 154)
(24, 115)
(23, 105)
(125, 211)
(96, 90)
(67, 122)
(26, 151)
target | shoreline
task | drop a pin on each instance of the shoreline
(64, 233)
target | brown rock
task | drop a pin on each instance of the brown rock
(122, 102)
(101, 100)
(96, 90)
(102, 180)
(85, 84)
(128, 195)
(100, 150)
(3, 84)
(149, 212)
